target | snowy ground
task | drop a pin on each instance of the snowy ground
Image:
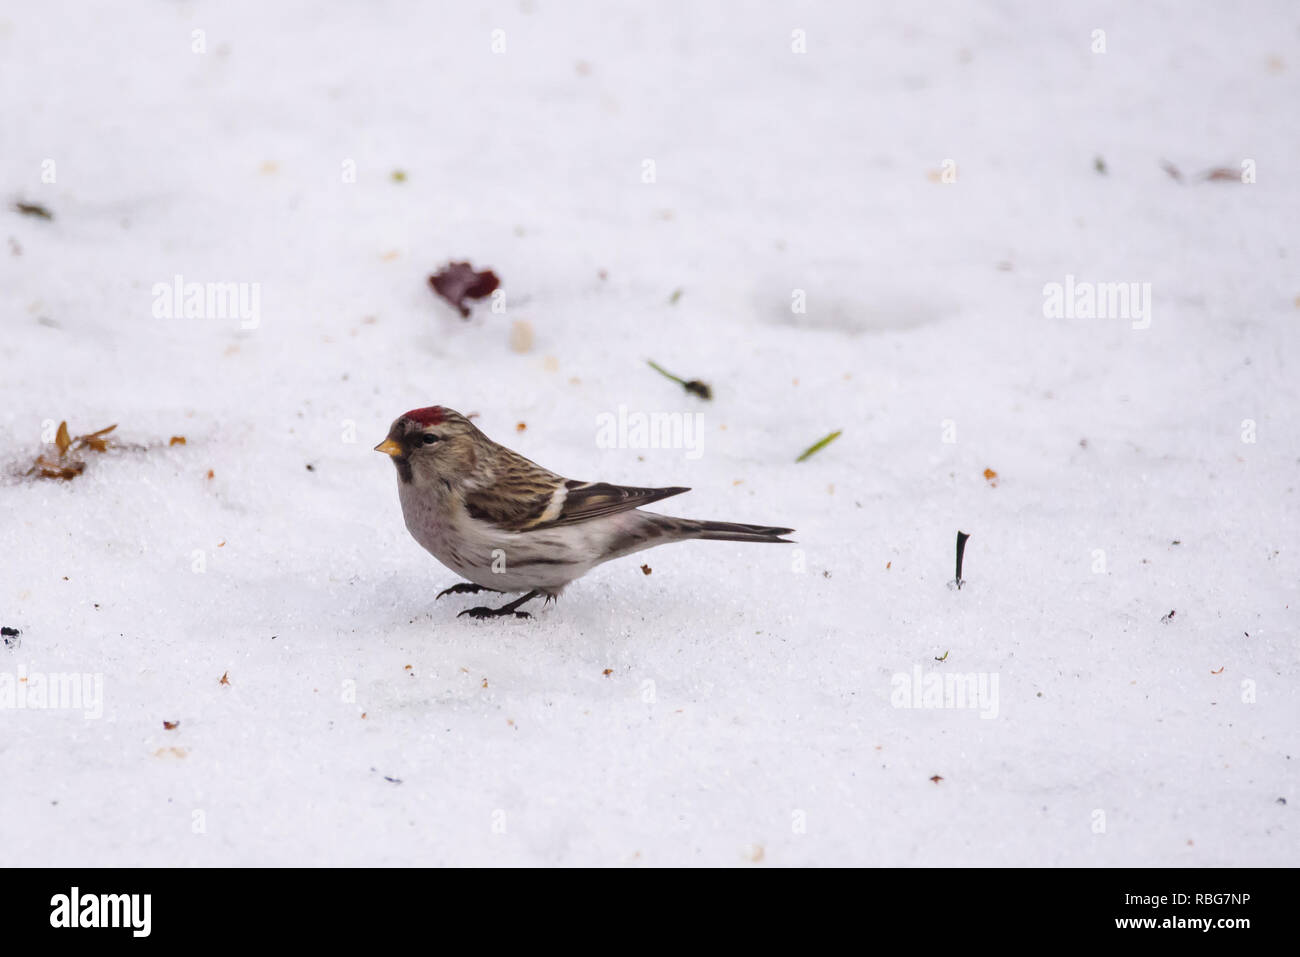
(739, 704)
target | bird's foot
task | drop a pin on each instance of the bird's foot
(464, 588)
(482, 612)
(508, 609)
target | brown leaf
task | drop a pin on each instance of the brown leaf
(171, 725)
(33, 209)
(645, 569)
(176, 440)
(55, 469)
(460, 281)
(61, 438)
(1223, 174)
(94, 440)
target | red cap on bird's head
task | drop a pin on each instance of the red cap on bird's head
(427, 416)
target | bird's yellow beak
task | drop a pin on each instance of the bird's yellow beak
(389, 446)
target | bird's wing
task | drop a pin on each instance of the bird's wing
(520, 502)
(519, 494)
(587, 500)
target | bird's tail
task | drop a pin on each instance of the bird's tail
(732, 531)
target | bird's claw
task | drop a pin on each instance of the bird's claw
(504, 611)
(484, 612)
(463, 588)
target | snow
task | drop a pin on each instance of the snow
(737, 705)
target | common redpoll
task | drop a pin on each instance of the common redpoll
(509, 525)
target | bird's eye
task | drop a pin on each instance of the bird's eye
(429, 439)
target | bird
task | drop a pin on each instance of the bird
(508, 525)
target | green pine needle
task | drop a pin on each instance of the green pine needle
(817, 447)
